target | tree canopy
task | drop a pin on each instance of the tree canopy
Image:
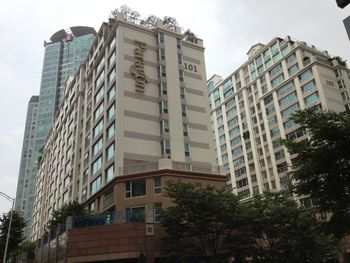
(211, 225)
(321, 167)
(204, 224)
(59, 216)
(16, 232)
(285, 232)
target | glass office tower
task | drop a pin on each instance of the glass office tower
(64, 53)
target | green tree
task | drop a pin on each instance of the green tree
(205, 224)
(16, 232)
(285, 232)
(322, 165)
(59, 216)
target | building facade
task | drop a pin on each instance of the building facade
(126, 220)
(138, 100)
(64, 53)
(26, 166)
(250, 109)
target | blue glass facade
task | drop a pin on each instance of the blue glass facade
(63, 56)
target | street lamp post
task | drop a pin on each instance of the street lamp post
(9, 229)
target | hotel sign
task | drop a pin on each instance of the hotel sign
(138, 69)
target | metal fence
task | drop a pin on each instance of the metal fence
(129, 215)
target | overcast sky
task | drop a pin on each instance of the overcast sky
(228, 27)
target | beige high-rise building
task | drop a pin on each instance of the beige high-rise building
(138, 103)
(250, 109)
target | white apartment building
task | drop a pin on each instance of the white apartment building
(139, 99)
(250, 109)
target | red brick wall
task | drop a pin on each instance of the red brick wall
(115, 241)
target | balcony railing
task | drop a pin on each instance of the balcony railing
(169, 164)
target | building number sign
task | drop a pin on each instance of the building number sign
(190, 67)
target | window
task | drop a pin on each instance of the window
(308, 86)
(164, 126)
(283, 167)
(312, 99)
(289, 124)
(96, 165)
(161, 37)
(111, 93)
(278, 80)
(270, 109)
(135, 214)
(96, 185)
(279, 155)
(337, 72)
(185, 129)
(289, 111)
(98, 111)
(165, 147)
(162, 71)
(293, 69)
(111, 59)
(295, 134)
(111, 45)
(178, 43)
(291, 59)
(305, 75)
(275, 132)
(163, 90)
(135, 188)
(237, 151)
(97, 146)
(240, 172)
(288, 99)
(99, 94)
(211, 86)
(231, 112)
(110, 173)
(285, 88)
(219, 121)
(98, 128)
(232, 122)
(275, 70)
(234, 132)
(157, 185)
(179, 59)
(65, 196)
(235, 141)
(110, 131)
(111, 75)
(111, 111)
(182, 93)
(345, 95)
(157, 210)
(110, 152)
(187, 149)
(238, 161)
(99, 79)
(184, 110)
(276, 143)
(341, 84)
(163, 106)
(285, 50)
(181, 75)
(222, 139)
(242, 183)
(161, 53)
